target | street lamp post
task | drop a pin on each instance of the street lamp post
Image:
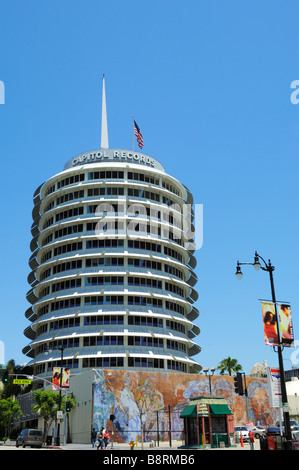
(60, 388)
(206, 370)
(270, 268)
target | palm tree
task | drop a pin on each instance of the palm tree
(10, 389)
(230, 365)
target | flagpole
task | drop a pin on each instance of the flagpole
(133, 131)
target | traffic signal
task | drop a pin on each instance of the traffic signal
(5, 377)
(238, 382)
(68, 406)
(112, 418)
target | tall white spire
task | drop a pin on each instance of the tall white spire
(104, 135)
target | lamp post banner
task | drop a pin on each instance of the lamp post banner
(271, 327)
(270, 324)
(286, 325)
(65, 382)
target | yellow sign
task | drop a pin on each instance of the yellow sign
(21, 381)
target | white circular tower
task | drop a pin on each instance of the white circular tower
(112, 280)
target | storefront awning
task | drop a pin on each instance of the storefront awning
(189, 412)
(220, 409)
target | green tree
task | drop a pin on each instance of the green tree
(9, 410)
(230, 365)
(10, 389)
(45, 404)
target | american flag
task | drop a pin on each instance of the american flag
(138, 135)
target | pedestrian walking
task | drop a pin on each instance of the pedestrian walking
(100, 439)
(106, 438)
(93, 437)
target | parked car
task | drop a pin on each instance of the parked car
(295, 433)
(242, 430)
(293, 423)
(30, 437)
(259, 431)
(274, 431)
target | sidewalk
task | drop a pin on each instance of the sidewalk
(123, 446)
(164, 446)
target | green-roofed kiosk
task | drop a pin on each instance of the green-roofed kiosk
(208, 421)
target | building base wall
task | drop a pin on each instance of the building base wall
(102, 393)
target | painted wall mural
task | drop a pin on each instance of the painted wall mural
(112, 395)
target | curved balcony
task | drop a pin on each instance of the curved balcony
(29, 332)
(193, 314)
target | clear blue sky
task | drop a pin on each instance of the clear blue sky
(209, 85)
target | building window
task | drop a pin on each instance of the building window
(103, 175)
(69, 213)
(70, 363)
(145, 321)
(175, 365)
(70, 180)
(70, 197)
(146, 362)
(104, 300)
(144, 282)
(176, 346)
(68, 248)
(103, 362)
(140, 245)
(104, 281)
(145, 341)
(105, 191)
(103, 341)
(68, 266)
(104, 243)
(176, 326)
(65, 323)
(70, 230)
(144, 301)
(174, 288)
(66, 303)
(141, 193)
(91, 320)
(104, 262)
(144, 263)
(144, 178)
